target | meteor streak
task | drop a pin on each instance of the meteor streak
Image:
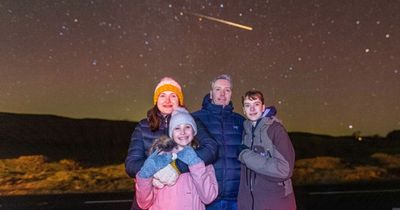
(222, 21)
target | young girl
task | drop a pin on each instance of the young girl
(267, 160)
(192, 190)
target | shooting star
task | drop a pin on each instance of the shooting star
(222, 21)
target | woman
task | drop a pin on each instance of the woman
(167, 96)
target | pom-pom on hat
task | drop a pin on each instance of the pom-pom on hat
(181, 116)
(168, 84)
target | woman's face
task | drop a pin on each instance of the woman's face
(167, 102)
(183, 135)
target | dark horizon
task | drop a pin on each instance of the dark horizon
(133, 121)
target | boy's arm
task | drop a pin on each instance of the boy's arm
(279, 165)
(274, 167)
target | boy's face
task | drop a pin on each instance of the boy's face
(253, 109)
(183, 134)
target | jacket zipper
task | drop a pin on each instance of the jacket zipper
(223, 145)
(166, 125)
(251, 172)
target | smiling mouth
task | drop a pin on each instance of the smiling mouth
(183, 138)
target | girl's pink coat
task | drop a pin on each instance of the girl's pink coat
(191, 192)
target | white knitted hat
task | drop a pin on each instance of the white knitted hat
(181, 116)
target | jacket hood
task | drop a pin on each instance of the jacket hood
(270, 111)
(208, 105)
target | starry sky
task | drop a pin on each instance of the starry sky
(330, 67)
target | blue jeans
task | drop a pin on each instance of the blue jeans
(223, 205)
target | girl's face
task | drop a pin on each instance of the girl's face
(253, 109)
(167, 102)
(183, 135)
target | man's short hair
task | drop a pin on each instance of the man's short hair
(222, 76)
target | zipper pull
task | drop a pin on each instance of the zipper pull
(269, 154)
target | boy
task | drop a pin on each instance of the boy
(267, 159)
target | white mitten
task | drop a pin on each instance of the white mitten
(166, 176)
(157, 183)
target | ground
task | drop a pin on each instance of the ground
(36, 175)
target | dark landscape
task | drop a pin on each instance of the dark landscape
(44, 156)
(89, 141)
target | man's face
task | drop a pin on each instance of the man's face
(221, 92)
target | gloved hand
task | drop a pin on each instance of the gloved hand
(166, 176)
(241, 148)
(157, 183)
(154, 163)
(244, 151)
(188, 156)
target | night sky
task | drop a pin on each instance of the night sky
(330, 67)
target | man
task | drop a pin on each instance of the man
(226, 127)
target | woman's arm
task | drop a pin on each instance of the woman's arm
(136, 152)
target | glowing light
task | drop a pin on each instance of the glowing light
(222, 21)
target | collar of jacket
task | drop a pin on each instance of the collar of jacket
(208, 105)
(256, 125)
(164, 120)
(248, 125)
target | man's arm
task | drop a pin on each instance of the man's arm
(208, 149)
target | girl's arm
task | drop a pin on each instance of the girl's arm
(144, 192)
(205, 182)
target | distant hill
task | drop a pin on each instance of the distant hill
(349, 148)
(99, 141)
(86, 140)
